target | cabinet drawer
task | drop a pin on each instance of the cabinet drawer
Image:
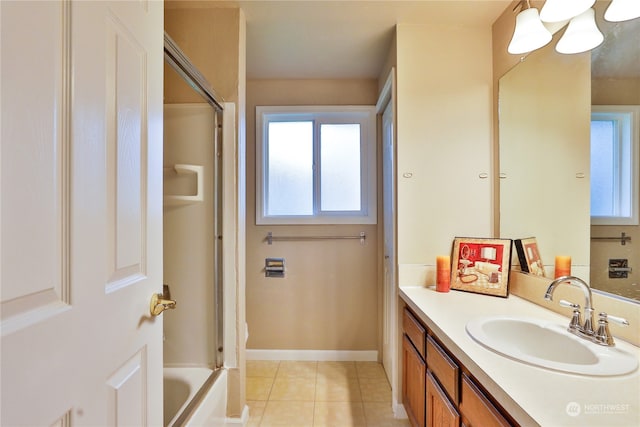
(477, 409)
(414, 330)
(444, 368)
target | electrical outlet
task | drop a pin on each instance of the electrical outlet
(619, 268)
(274, 267)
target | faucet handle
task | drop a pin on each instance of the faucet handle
(602, 335)
(615, 319)
(576, 321)
(565, 303)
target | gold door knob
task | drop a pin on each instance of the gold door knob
(161, 302)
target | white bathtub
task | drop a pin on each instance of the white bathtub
(185, 404)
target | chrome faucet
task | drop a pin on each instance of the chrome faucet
(576, 326)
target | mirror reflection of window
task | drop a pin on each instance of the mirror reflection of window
(614, 164)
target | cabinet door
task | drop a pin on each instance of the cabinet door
(413, 378)
(440, 412)
(477, 410)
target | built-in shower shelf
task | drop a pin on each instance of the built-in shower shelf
(174, 200)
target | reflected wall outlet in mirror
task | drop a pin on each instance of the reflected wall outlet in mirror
(619, 268)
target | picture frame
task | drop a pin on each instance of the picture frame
(529, 256)
(481, 265)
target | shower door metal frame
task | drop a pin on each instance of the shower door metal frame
(184, 67)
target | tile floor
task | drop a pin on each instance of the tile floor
(313, 394)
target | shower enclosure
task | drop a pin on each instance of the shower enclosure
(193, 332)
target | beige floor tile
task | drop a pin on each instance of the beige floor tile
(262, 368)
(337, 369)
(375, 390)
(292, 414)
(337, 390)
(319, 394)
(370, 370)
(256, 410)
(258, 388)
(293, 388)
(381, 415)
(338, 414)
(289, 368)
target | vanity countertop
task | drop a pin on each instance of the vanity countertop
(532, 395)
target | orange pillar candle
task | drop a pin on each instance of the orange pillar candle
(443, 273)
(563, 266)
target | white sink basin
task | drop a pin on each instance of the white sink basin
(549, 345)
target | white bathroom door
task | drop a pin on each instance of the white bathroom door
(81, 212)
(389, 349)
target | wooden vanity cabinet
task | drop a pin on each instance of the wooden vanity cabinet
(413, 369)
(436, 389)
(477, 409)
(443, 375)
(444, 368)
(415, 331)
(440, 411)
(413, 377)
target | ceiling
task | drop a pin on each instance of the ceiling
(328, 39)
(307, 39)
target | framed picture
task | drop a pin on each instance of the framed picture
(481, 265)
(529, 256)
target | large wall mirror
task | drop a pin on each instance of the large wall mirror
(544, 126)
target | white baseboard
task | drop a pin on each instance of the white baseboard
(312, 355)
(242, 421)
(399, 412)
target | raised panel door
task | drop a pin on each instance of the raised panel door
(81, 222)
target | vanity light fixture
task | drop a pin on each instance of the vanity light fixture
(622, 10)
(563, 10)
(530, 34)
(581, 35)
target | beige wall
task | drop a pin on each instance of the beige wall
(328, 298)
(389, 63)
(443, 143)
(615, 91)
(210, 38)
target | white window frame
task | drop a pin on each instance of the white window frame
(366, 116)
(628, 118)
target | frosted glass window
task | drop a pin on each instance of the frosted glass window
(340, 172)
(316, 165)
(615, 175)
(602, 167)
(290, 168)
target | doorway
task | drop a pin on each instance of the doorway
(390, 349)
